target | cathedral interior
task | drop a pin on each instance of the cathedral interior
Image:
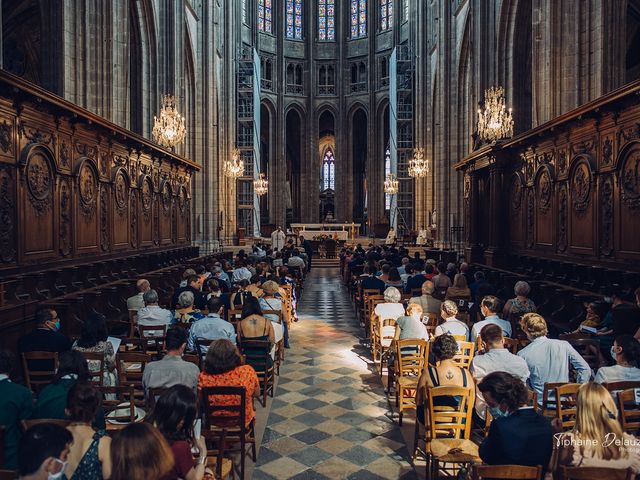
(140, 138)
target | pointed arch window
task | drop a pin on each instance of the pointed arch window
(358, 18)
(326, 20)
(387, 171)
(294, 19)
(328, 170)
(264, 16)
(386, 14)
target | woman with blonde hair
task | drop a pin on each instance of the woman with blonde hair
(410, 325)
(597, 440)
(451, 325)
(459, 290)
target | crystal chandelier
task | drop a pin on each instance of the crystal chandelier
(418, 166)
(261, 185)
(169, 130)
(234, 168)
(391, 184)
(495, 121)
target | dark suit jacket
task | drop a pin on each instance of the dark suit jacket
(372, 282)
(43, 340)
(523, 438)
(415, 282)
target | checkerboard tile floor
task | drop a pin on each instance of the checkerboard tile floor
(330, 418)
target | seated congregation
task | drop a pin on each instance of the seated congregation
(168, 394)
(494, 389)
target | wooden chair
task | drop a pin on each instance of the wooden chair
(409, 366)
(279, 345)
(131, 366)
(384, 337)
(27, 424)
(447, 431)
(513, 472)
(596, 473)
(465, 354)
(548, 403)
(153, 337)
(8, 475)
(121, 400)
(39, 368)
(234, 315)
(133, 322)
(510, 344)
(257, 354)
(95, 359)
(589, 348)
(195, 359)
(629, 411)
(615, 387)
(230, 417)
(153, 394)
(566, 404)
(222, 467)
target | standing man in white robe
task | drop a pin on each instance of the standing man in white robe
(277, 239)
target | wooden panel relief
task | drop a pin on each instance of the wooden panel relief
(37, 203)
(87, 221)
(544, 211)
(629, 174)
(582, 223)
(517, 209)
(181, 215)
(146, 206)
(121, 231)
(7, 216)
(166, 200)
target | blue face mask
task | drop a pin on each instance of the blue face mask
(613, 353)
(496, 412)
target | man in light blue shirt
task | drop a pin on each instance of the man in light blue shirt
(212, 327)
(490, 307)
(548, 360)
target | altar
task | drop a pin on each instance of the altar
(320, 231)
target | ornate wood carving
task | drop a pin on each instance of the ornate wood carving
(39, 178)
(156, 223)
(607, 151)
(146, 198)
(606, 208)
(6, 137)
(544, 189)
(630, 133)
(630, 178)
(531, 217)
(85, 150)
(65, 217)
(87, 190)
(581, 187)
(121, 194)
(65, 154)
(7, 216)
(562, 219)
(35, 135)
(104, 218)
(515, 194)
(134, 217)
(562, 161)
(166, 196)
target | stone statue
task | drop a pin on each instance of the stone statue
(422, 237)
(434, 219)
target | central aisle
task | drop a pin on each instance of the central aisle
(329, 418)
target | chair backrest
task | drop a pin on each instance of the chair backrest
(27, 424)
(39, 368)
(121, 400)
(234, 315)
(411, 356)
(459, 338)
(512, 344)
(257, 354)
(513, 472)
(624, 385)
(8, 475)
(566, 404)
(153, 336)
(595, 473)
(131, 366)
(387, 329)
(589, 348)
(277, 313)
(629, 410)
(230, 415)
(153, 394)
(549, 403)
(215, 441)
(431, 319)
(94, 360)
(449, 421)
(133, 322)
(465, 354)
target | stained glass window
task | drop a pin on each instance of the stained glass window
(387, 171)
(328, 171)
(294, 19)
(358, 18)
(386, 14)
(264, 16)
(326, 20)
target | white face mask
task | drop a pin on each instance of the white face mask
(57, 476)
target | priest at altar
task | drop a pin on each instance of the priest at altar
(277, 239)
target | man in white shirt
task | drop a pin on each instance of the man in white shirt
(489, 307)
(277, 239)
(548, 360)
(152, 314)
(137, 302)
(451, 324)
(241, 272)
(495, 358)
(295, 261)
